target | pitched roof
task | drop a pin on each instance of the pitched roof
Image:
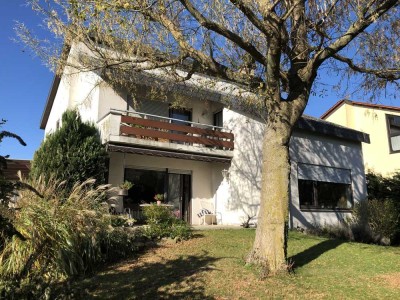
(15, 165)
(360, 104)
(320, 126)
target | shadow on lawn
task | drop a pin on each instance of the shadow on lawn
(308, 255)
(155, 280)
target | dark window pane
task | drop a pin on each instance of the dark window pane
(180, 114)
(306, 193)
(218, 121)
(147, 184)
(324, 195)
(333, 195)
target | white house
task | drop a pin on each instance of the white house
(205, 154)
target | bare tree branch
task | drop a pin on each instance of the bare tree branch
(389, 74)
(245, 45)
(353, 31)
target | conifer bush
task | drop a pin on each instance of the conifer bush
(73, 153)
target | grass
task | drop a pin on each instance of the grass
(211, 266)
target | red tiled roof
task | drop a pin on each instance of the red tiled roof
(15, 165)
(362, 104)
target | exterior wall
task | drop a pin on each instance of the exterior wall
(329, 152)
(61, 104)
(242, 196)
(205, 177)
(110, 99)
(76, 90)
(377, 156)
(245, 171)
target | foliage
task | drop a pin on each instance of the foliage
(118, 221)
(385, 190)
(126, 185)
(162, 223)
(380, 187)
(379, 218)
(72, 153)
(340, 231)
(119, 243)
(59, 236)
(159, 197)
(372, 221)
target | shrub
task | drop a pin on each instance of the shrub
(72, 153)
(118, 243)
(339, 231)
(162, 223)
(375, 221)
(386, 188)
(57, 237)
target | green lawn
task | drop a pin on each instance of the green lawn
(211, 266)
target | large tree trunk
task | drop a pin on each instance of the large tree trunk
(269, 248)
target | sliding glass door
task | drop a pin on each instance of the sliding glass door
(174, 185)
(179, 195)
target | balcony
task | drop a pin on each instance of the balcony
(161, 135)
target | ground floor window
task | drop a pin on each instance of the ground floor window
(324, 195)
(324, 187)
(147, 184)
(174, 186)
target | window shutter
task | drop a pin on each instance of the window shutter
(323, 173)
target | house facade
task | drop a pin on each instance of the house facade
(381, 122)
(202, 154)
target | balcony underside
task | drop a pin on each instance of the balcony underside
(170, 153)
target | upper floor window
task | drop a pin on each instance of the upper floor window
(182, 114)
(218, 121)
(393, 124)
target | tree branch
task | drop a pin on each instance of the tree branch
(251, 49)
(389, 74)
(251, 16)
(209, 65)
(354, 30)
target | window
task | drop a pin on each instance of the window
(323, 187)
(180, 114)
(324, 195)
(218, 121)
(147, 183)
(393, 123)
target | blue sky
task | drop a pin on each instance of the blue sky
(25, 83)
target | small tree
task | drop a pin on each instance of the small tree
(72, 154)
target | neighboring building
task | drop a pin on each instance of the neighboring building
(10, 173)
(15, 165)
(381, 122)
(207, 155)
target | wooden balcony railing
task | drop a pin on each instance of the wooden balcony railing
(163, 130)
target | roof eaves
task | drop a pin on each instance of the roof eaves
(333, 108)
(50, 101)
(327, 128)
